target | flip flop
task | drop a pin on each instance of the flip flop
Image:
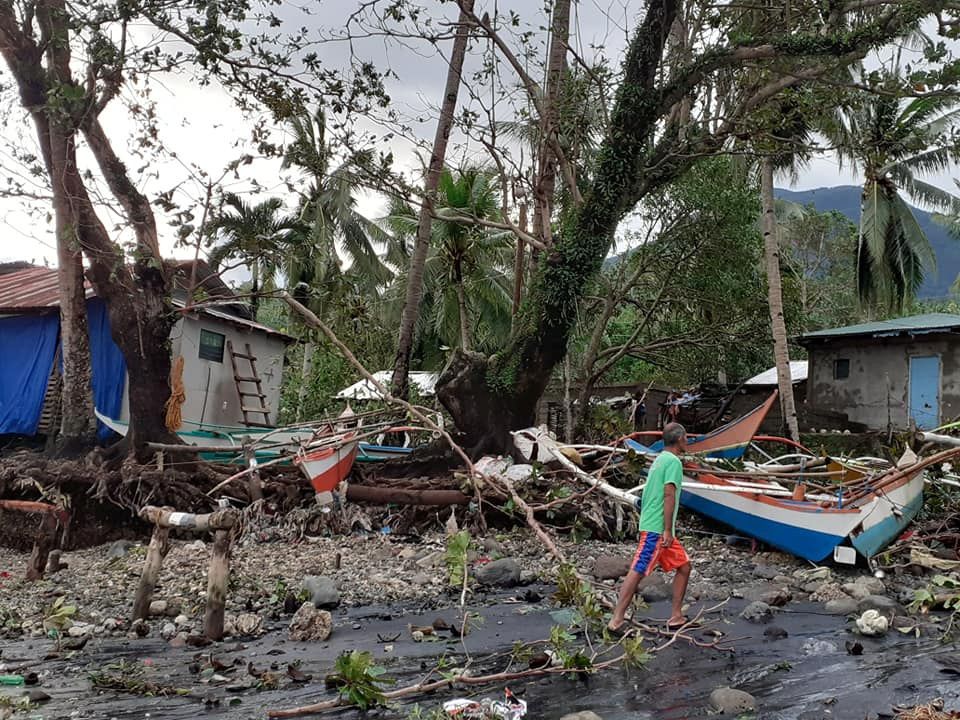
(685, 625)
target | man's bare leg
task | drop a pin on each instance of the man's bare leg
(680, 580)
(627, 591)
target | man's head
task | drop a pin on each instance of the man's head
(675, 436)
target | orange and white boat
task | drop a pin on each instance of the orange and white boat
(329, 465)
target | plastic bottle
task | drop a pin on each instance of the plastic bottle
(11, 679)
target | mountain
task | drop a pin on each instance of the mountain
(845, 199)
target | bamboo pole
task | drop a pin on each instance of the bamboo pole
(217, 580)
(157, 551)
(223, 519)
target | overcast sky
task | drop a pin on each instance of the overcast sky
(204, 128)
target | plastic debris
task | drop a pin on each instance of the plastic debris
(510, 708)
(11, 679)
(872, 623)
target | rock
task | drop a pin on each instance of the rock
(582, 715)
(840, 606)
(421, 579)
(37, 696)
(775, 632)
(757, 612)
(119, 549)
(408, 553)
(243, 625)
(856, 591)
(654, 588)
(610, 567)
(766, 572)
(881, 603)
(323, 591)
(731, 701)
(872, 624)
(777, 598)
(197, 546)
(311, 624)
(179, 640)
(181, 620)
(827, 591)
(527, 577)
(814, 647)
(158, 607)
(492, 545)
(168, 631)
(79, 630)
(430, 559)
(500, 573)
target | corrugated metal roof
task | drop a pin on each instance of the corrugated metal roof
(34, 289)
(912, 325)
(31, 289)
(798, 373)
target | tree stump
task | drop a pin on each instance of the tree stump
(46, 539)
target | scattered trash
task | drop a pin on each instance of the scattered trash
(510, 708)
(11, 679)
(872, 623)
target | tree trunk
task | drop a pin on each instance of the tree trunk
(464, 315)
(254, 289)
(400, 385)
(771, 248)
(518, 263)
(77, 426)
(489, 397)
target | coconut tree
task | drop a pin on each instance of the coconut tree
(894, 142)
(467, 288)
(256, 236)
(329, 223)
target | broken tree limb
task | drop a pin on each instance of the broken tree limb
(311, 319)
(46, 539)
(159, 547)
(217, 580)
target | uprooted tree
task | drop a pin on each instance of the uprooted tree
(646, 144)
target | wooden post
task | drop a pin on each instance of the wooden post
(217, 585)
(254, 486)
(46, 538)
(159, 546)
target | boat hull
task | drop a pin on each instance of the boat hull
(327, 467)
(380, 453)
(883, 525)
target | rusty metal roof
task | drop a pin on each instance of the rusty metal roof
(32, 289)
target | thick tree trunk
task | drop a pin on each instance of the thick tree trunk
(255, 288)
(519, 263)
(77, 425)
(400, 385)
(489, 397)
(306, 372)
(781, 351)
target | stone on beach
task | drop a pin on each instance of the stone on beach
(311, 624)
(731, 701)
(499, 573)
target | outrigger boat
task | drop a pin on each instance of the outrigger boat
(267, 443)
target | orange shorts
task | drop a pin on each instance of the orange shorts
(651, 553)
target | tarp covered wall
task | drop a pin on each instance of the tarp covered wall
(109, 367)
(28, 344)
(28, 347)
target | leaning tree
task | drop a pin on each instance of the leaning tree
(648, 143)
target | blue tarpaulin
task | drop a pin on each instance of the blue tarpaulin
(109, 368)
(28, 344)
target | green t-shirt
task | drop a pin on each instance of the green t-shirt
(667, 468)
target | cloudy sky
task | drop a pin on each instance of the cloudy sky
(203, 128)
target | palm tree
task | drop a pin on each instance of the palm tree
(256, 236)
(467, 288)
(894, 142)
(329, 221)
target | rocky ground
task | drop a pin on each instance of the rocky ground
(274, 573)
(269, 573)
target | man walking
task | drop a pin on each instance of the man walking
(658, 546)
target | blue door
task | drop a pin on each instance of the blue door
(925, 391)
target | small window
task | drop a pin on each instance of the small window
(211, 346)
(841, 369)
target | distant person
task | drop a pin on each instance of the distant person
(658, 546)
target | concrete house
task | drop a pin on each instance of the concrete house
(889, 373)
(204, 337)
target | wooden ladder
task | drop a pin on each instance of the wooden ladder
(252, 379)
